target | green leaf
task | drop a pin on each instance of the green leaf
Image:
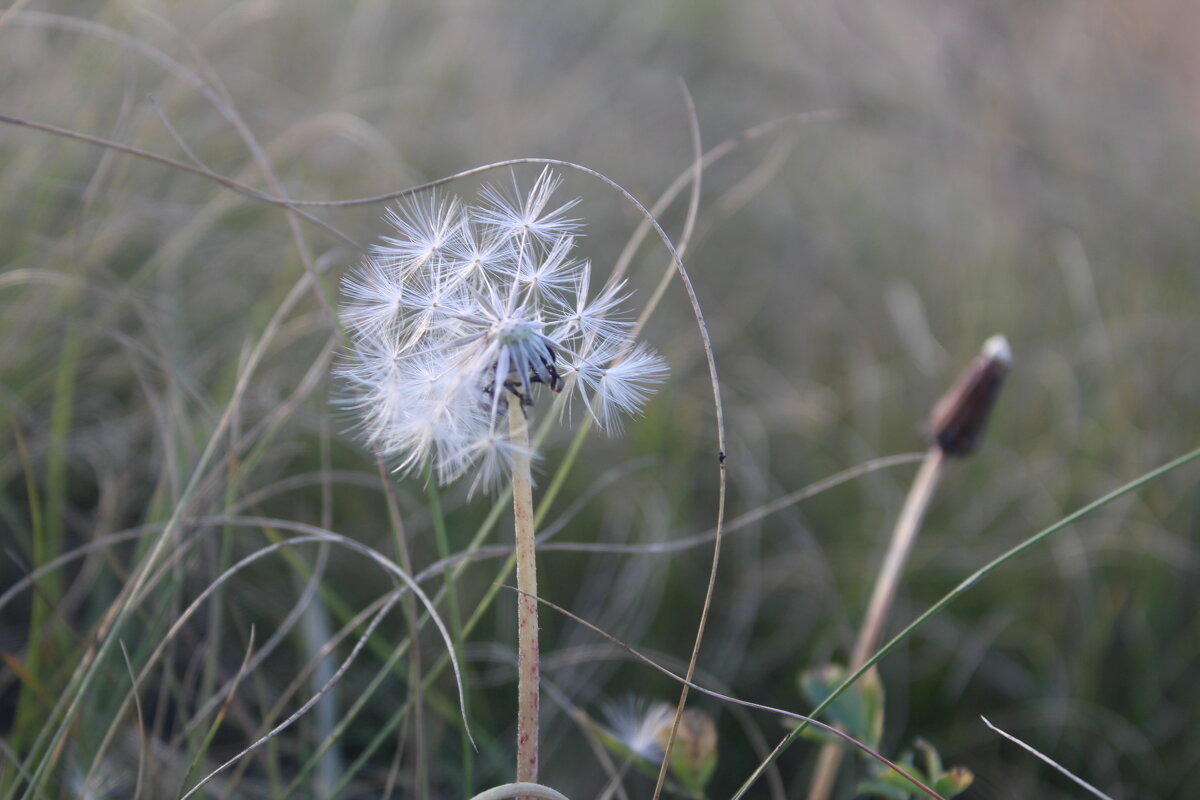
(933, 761)
(953, 782)
(894, 779)
(882, 789)
(858, 710)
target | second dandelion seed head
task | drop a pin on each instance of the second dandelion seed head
(467, 306)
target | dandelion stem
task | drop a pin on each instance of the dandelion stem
(903, 537)
(527, 623)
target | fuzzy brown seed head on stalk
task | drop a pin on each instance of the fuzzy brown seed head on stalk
(955, 428)
(957, 422)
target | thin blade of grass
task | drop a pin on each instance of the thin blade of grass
(1079, 781)
(962, 587)
(220, 716)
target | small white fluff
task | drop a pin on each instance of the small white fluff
(640, 727)
(997, 348)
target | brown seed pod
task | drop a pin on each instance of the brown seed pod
(958, 419)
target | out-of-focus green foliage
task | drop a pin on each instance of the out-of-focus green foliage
(858, 710)
(890, 785)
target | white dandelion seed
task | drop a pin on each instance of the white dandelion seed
(638, 726)
(425, 226)
(467, 308)
(527, 214)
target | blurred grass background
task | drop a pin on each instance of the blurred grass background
(1028, 168)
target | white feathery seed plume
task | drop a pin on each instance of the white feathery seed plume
(468, 307)
(638, 726)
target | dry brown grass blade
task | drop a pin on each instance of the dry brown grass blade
(689, 226)
(175, 163)
(303, 709)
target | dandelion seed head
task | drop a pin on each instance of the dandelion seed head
(466, 308)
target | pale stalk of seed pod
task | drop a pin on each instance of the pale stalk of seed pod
(955, 426)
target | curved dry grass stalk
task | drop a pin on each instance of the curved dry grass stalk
(304, 708)
(479, 553)
(303, 480)
(1045, 758)
(585, 727)
(281, 632)
(76, 554)
(363, 480)
(410, 616)
(243, 670)
(305, 672)
(85, 673)
(746, 703)
(229, 183)
(590, 654)
(689, 226)
(312, 534)
(743, 520)
(520, 790)
(217, 97)
(139, 719)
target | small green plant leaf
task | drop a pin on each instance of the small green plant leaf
(953, 782)
(883, 790)
(891, 784)
(858, 710)
(933, 761)
(947, 783)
